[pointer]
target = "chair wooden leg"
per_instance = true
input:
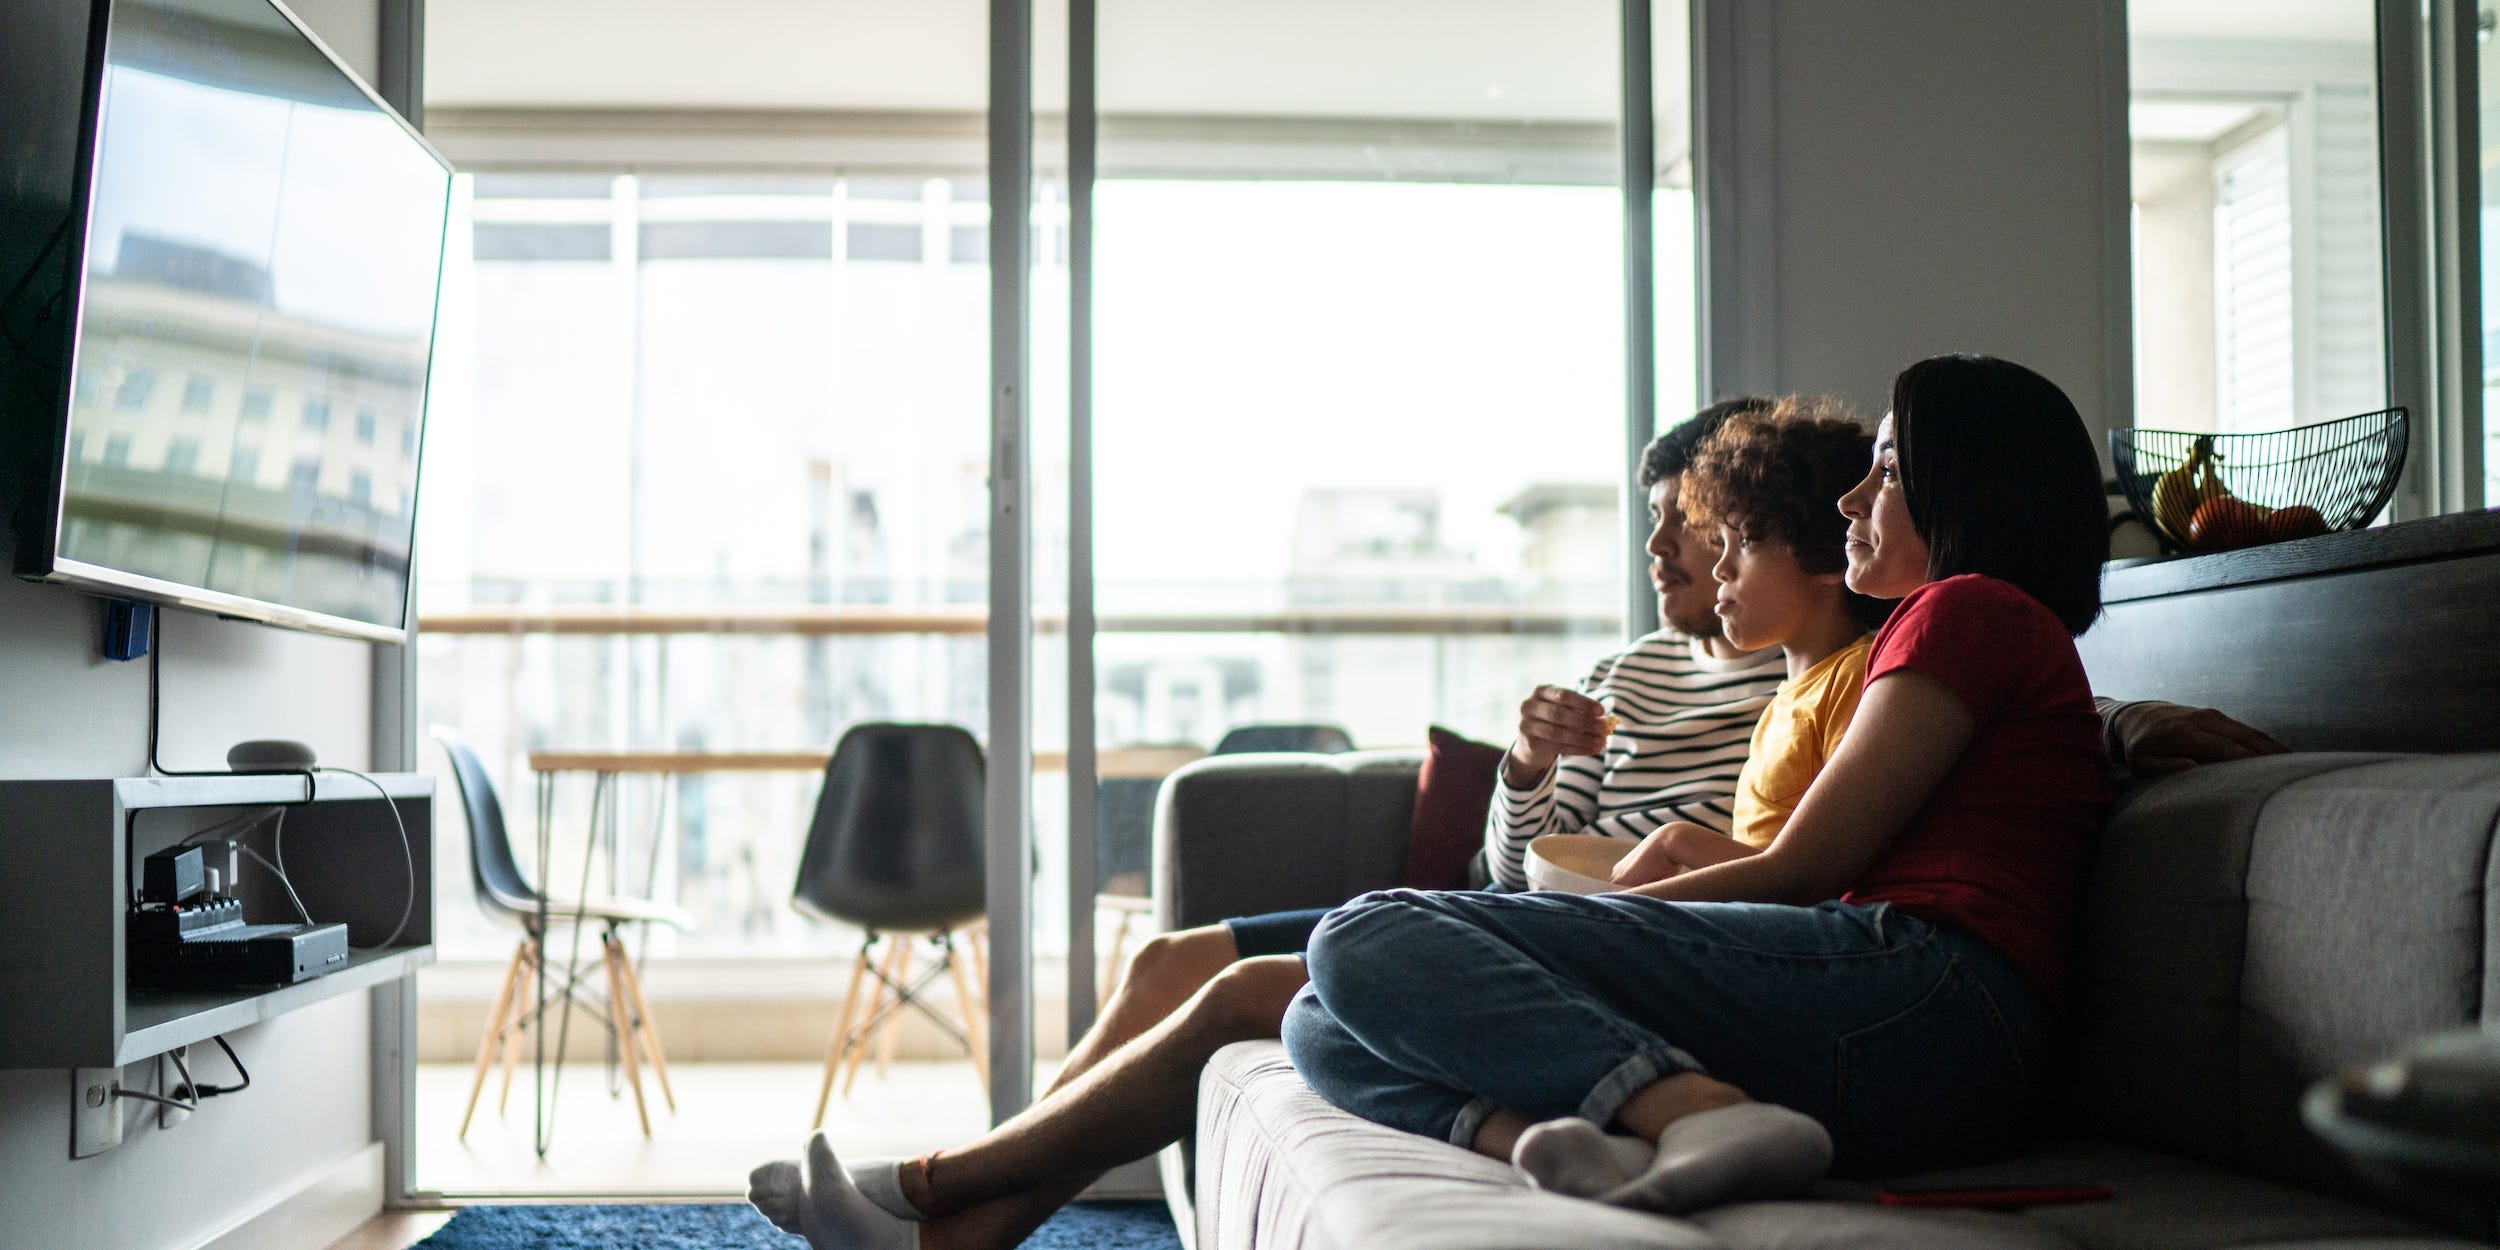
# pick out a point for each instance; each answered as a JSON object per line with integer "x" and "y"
{"x": 977, "y": 937}
{"x": 976, "y": 1032}
{"x": 494, "y": 1034}
{"x": 624, "y": 1027}
{"x": 519, "y": 1030}
{"x": 841, "y": 1042}
{"x": 649, "y": 1028}
{"x": 894, "y": 1020}
{"x": 876, "y": 1003}
{"x": 1111, "y": 966}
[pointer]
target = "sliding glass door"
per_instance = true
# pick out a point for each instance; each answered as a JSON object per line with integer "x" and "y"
{"x": 1358, "y": 383}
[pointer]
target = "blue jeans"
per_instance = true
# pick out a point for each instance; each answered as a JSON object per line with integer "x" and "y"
{"x": 1916, "y": 1044}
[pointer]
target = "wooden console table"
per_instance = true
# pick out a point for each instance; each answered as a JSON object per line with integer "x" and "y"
{"x": 2372, "y": 640}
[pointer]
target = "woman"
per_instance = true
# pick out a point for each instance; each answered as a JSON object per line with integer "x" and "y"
{"x": 1884, "y": 977}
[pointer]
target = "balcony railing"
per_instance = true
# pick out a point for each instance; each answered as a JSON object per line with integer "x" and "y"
{"x": 808, "y": 620}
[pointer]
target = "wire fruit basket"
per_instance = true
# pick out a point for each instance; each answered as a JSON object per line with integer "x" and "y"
{"x": 2219, "y": 492}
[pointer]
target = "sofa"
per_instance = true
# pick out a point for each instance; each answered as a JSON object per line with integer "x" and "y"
{"x": 2249, "y": 929}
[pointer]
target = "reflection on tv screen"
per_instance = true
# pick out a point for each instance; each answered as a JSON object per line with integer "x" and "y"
{"x": 262, "y": 255}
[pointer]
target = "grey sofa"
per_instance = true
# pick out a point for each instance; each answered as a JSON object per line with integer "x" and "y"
{"x": 2249, "y": 928}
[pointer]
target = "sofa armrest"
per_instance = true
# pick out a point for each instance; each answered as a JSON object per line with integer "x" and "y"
{"x": 1238, "y": 835}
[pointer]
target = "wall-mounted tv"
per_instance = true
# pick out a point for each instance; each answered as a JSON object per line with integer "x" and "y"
{"x": 251, "y": 260}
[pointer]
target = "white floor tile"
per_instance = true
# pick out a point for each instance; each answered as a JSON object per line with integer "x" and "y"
{"x": 730, "y": 1117}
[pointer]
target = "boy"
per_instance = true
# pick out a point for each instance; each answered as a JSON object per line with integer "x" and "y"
{"x": 1766, "y": 485}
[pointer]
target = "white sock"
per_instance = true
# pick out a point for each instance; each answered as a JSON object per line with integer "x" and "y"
{"x": 776, "y": 1191}
{"x": 1574, "y": 1156}
{"x": 882, "y": 1181}
{"x": 1743, "y": 1153}
{"x": 817, "y": 1200}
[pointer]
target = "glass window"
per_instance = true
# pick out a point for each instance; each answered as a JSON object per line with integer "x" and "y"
{"x": 197, "y": 391}
{"x": 366, "y": 424}
{"x": 257, "y": 400}
{"x": 117, "y": 451}
{"x": 243, "y": 465}
{"x": 870, "y": 240}
{"x": 750, "y": 420}
{"x": 1358, "y": 378}
{"x": 316, "y": 414}
{"x": 533, "y": 241}
{"x": 138, "y": 383}
{"x": 182, "y": 456}
{"x": 2258, "y": 263}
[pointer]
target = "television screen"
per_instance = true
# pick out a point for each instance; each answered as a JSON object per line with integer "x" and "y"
{"x": 262, "y": 251}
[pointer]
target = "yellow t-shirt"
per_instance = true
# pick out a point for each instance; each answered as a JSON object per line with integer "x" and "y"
{"x": 1795, "y": 737}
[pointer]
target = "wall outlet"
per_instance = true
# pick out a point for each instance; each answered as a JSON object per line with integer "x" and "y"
{"x": 95, "y": 1114}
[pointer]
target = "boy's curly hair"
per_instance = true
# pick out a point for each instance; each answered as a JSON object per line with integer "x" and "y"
{"x": 1779, "y": 476}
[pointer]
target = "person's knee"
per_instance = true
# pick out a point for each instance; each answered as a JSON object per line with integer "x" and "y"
{"x": 1172, "y": 966}
{"x": 1247, "y": 1000}
{"x": 1345, "y": 944}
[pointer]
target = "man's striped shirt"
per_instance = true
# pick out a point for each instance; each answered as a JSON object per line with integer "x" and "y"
{"x": 1686, "y": 721}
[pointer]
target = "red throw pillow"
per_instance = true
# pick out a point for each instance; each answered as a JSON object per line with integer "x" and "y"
{"x": 1451, "y": 797}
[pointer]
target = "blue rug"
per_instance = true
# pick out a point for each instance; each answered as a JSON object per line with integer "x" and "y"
{"x": 736, "y": 1226}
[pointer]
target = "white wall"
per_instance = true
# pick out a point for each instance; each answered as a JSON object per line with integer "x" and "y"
{"x": 1892, "y": 181}
{"x": 67, "y": 712}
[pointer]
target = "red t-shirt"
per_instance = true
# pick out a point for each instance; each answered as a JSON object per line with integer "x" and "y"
{"x": 2001, "y": 846}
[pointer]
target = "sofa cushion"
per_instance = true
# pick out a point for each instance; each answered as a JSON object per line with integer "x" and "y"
{"x": 2159, "y": 952}
{"x": 1279, "y": 832}
{"x": 2163, "y": 1202}
{"x": 2366, "y": 929}
{"x": 1452, "y": 795}
{"x": 1281, "y": 1169}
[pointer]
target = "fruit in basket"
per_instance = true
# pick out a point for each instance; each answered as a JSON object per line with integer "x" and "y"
{"x": 2297, "y": 521}
{"x": 2178, "y": 493}
{"x": 2227, "y": 521}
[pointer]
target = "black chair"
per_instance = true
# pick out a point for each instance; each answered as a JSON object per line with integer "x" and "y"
{"x": 1280, "y": 736}
{"x": 896, "y": 849}
{"x": 503, "y": 891}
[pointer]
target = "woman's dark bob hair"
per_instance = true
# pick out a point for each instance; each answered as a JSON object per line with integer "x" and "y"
{"x": 2001, "y": 479}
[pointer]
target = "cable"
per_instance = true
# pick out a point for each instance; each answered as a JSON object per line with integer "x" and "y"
{"x": 156, "y": 648}
{"x": 191, "y": 1085}
{"x": 176, "y": 1102}
{"x": 156, "y": 1098}
{"x": 240, "y": 826}
{"x": 263, "y": 861}
{"x": 212, "y": 1091}
{"x": 407, "y": 852}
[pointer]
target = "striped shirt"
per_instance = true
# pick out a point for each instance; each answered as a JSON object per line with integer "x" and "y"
{"x": 1687, "y": 720}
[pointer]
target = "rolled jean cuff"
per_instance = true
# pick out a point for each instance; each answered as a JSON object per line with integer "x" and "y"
{"x": 1470, "y": 1119}
{"x": 1630, "y": 1077}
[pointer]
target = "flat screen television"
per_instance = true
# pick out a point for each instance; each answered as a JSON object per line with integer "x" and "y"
{"x": 250, "y": 265}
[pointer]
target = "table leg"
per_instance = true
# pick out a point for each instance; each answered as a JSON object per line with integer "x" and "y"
{"x": 600, "y": 791}
{"x": 538, "y": 1033}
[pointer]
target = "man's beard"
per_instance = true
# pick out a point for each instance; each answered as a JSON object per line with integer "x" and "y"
{"x": 1701, "y": 627}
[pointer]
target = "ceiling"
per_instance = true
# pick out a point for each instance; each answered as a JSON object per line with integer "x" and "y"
{"x": 1495, "y": 60}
